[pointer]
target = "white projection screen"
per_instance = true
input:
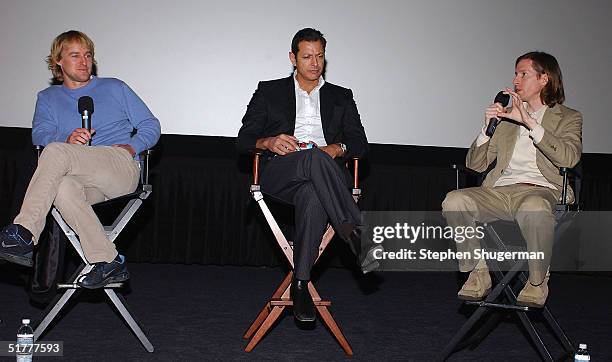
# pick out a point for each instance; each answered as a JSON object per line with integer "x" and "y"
{"x": 421, "y": 71}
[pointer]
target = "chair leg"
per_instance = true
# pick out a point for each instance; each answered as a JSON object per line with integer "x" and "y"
{"x": 501, "y": 286}
{"x": 122, "y": 308}
{"x": 333, "y": 327}
{"x": 57, "y": 304}
{"x": 40, "y": 329}
{"x": 552, "y": 321}
{"x": 524, "y": 318}
{"x": 492, "y": 321}
{"x": 265, "y": 326}
{"x": 535, "y": 337}
{"x": 329, "y": 321}
{"x": 465, "y": 328}
{"x": 261, "y": 317}
{"x": 265, "y": 311}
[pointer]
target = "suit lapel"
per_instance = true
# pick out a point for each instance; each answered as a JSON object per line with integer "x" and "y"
{"x": 326, "y": 99}
{"x": 288, "y": 102}
{"x": 551, "y": 118}
{"x": 550, "y": 122}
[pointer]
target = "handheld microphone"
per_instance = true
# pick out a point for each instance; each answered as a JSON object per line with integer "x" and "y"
{"x": 86, "y": 109}
{"x": 503, "y": 99}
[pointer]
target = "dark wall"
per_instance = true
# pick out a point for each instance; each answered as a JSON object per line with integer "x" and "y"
{"x": 201, "y": 210}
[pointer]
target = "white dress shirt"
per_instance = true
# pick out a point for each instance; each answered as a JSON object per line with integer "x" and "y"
{"x": 308, "y": 126}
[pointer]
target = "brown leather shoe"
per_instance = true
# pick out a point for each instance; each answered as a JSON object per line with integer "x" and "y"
{"x": 534, "y": 295}
{"x": 477, "y": 286}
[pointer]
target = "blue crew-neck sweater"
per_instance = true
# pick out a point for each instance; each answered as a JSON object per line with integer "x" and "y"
{"x": 117, "y": 111}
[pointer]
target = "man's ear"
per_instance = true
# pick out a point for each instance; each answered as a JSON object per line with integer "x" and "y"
{"x": 292, "y": 58}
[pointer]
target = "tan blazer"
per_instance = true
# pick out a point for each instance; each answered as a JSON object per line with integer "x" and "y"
{"x": 561, "y": 146}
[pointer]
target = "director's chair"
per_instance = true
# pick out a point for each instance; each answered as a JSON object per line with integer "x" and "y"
{"x": 503, "y": 296}
{"x": 281, "y": 299}
{"x": 134, "y": 201}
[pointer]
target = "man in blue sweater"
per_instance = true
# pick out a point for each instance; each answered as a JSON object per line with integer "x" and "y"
{"x": 73, "y": 176}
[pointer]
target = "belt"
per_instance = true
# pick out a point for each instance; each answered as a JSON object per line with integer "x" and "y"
{"x": 529, "y": 184}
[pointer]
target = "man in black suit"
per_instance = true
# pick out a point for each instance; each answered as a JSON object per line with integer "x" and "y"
{"x": 305, "y": 113}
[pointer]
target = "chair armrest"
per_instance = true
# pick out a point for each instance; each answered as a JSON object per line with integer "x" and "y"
{"x": 38, "y": 149}
{"x": 467, "y": 171}
{"x": 145, "y": 164}
{"x": 461, "y": 168}
{"x": 256, "y": 157}
{"x": 355, "y": 172}
{"x": 570, "y": 171}
{"x": 577, "y": 174}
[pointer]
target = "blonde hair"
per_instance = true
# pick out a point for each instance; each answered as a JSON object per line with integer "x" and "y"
{"x": 56, "y": 50}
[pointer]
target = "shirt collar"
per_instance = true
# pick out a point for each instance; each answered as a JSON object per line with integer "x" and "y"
{"x": 298, "y": 88}
{"x": 537, "y": 115}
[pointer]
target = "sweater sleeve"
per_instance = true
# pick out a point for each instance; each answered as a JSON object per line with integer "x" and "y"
{"x": 45, "y": 128}
{"x": 148, "y": 128}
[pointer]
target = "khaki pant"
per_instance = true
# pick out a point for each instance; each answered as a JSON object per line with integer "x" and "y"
{"x": 531, "y": 206}
{"x": 73, "y": 177}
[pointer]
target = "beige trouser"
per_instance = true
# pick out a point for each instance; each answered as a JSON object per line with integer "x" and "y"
{"x": 73, "y": 177}
{"x": 531, "y": 206}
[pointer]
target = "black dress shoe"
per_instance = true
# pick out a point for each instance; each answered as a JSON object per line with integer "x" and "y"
{"x": 365, "y": 259}
{"x": 105, "y": 273}
{"x": 368, "y": 262}
{"x": 303, "y": 307}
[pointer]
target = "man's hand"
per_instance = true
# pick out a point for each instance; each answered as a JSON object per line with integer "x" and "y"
{"x": 334, "y": 150}
{"x": 492, "y": 111}
{"x": 80, "y": 136}
{"x": 518, "y": 112}
{"x": 129, "y": 148}
{"x": 281, "y": 144}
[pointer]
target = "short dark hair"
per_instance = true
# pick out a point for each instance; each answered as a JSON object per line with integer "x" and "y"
{"x": 544, "y": 63}
{"x": 307, "y": 34}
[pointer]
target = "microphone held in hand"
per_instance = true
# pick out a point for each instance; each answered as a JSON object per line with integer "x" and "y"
{"x": 86, "y": 109}
{"x": 503, "y": 99}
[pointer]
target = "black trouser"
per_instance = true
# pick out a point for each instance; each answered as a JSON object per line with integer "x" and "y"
{"x": 317, "y": 186}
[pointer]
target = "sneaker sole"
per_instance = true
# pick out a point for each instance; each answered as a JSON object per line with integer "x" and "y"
{"x": 473, "y": 298}
{"x": 114, "y": 279}
{"x": 530, "y": 304}
{"x": 18, "y": 259}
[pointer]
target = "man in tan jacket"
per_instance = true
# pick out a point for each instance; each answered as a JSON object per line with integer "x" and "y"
{"x": 537, "y": 136}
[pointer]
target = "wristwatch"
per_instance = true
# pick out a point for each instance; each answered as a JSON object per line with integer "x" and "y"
{"x": 343, "y": 147}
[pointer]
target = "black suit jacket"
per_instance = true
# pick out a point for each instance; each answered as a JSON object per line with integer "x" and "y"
{"x": 271, "y": 112}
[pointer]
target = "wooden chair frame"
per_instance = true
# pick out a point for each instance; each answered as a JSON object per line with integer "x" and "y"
{"x": 281, "y": 298}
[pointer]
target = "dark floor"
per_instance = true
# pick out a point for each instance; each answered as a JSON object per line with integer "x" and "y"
{"x": 201, "y": 312}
